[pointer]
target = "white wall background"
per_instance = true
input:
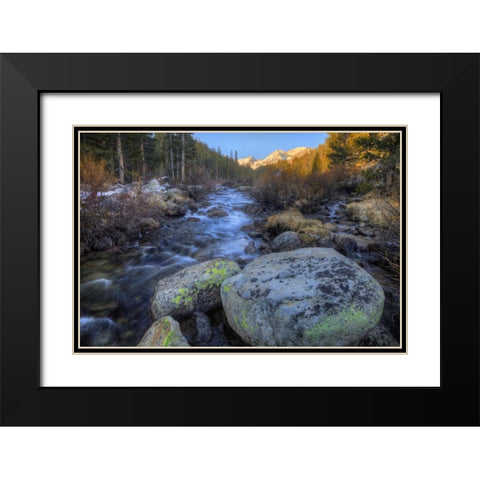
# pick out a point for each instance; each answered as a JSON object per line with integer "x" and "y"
{"x": 215, "y": 26}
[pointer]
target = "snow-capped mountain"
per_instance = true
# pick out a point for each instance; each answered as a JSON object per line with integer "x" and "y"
{"x": 247, "y": 161}
{"x": 274, "y": 157}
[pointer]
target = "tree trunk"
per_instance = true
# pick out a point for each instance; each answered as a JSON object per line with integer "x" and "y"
{"x": 121, "y": 163}
{"x": 183, "y": 158}
{"x": 177, "y": 163}
{"x": 144, "y": 166}
{"x": 171, "y": 158}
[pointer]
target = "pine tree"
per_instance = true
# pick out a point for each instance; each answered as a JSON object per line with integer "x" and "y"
{"x": 339, "y": 150}
{"x": 382, "y": 151}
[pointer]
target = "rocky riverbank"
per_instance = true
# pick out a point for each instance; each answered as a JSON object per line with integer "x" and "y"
{"x": 276, "y": 278}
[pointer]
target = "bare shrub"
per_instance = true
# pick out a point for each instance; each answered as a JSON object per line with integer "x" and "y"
{"x": 288, "y": 187}
{"x": 389, "y": 252}
{"x": 112, "y": 221}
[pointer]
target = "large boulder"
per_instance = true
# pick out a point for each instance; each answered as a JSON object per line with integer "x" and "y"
{"x": 306, "y": 297}
{"x": 376, "y": 211}
{"x": 195, "y": 288}
{"x": 165, "y": 332}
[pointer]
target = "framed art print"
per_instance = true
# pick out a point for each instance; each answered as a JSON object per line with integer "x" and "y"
{"x": 334, "y": 205}
{"x": 239, "y": 241}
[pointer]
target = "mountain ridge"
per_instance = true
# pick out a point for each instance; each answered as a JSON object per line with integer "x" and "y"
{"x": 276, "y": 156}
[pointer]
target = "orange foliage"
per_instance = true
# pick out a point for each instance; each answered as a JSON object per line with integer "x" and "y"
{"x": 94, "y": 174}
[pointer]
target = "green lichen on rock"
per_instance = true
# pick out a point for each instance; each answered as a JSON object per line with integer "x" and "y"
{"x": 165, "y": 332}
{"x": 195, "y": 288}
{"x": 349, "y": 323}
{"x": 184, "y": 297}
{"x": 216, "y": 275}
{"x": 245, "y": 325}
{"x": 168, "y": 339}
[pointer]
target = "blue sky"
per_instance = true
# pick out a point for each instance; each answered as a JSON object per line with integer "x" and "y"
{"x": 259, "y": 144}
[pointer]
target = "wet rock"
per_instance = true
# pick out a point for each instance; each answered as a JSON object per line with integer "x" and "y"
{"x": 267, "y": 236}
{"x": 251, "y": 230}
{"x": 97, "y": 332}
{"x": 250, "y": 249}
{"x": 195, "y": 288}
{"x": 247, "y": 228}
{"x": 348, "y": 243}
{"x": 216, "y": 212}
{"x": 165, "y": 332}
{"x": 345, "y": 243}
{"x": 204, "y": 330}
{"x": 365, "y": 231}
{"x": 306, "y": 297}
{"x": 286, "y": 241}
{"x": 252, "y": 209}
{"x": 265, "y": 248}
{"x": 192, "y": 219}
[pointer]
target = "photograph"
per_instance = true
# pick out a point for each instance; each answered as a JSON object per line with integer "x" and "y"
{"x": 233, "y": 239}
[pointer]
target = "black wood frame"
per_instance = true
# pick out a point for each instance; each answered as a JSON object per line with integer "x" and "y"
{"x": 23, "y": 77}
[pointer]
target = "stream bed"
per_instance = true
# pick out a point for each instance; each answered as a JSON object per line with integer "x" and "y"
{"x": 116, "y": 286}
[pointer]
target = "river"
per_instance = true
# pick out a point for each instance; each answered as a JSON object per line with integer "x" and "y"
{"x": 116, "y": 286}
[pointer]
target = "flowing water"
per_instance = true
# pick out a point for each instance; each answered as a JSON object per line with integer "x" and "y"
{"x": 116, "y": 287}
